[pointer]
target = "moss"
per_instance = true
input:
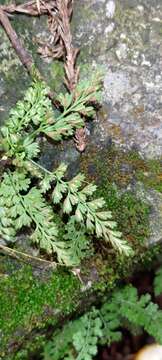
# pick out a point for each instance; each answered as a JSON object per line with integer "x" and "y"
{"x": 152, "y": 175}
{"x": 117, "y": 269}
{"x": 30, "y": 350}
{"x": 113, "y": 179}
{"x": 27, "y": 302}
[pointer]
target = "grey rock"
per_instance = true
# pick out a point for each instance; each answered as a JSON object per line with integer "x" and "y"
{"x": 154, "y": 199}
{"x": 110, "y": 9}
{"x": 130, "y": 52}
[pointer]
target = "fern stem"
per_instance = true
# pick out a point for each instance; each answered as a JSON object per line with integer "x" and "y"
{"x": 41, "y": 167}
{"x": 87, "y": 335}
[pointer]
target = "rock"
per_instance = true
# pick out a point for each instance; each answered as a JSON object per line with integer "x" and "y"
{"x": 154, "y": 199}
{"x": 131, "y": 57}
{"x": 121, "y": 51}
{"x": 110, "y": 9}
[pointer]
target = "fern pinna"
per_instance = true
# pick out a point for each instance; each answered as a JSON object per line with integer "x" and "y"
{"x": 26, "y": 185}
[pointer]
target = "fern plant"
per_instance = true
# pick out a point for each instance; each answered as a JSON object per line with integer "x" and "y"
{"x": 78, "y": 339}
{"x": 26, "y": 185}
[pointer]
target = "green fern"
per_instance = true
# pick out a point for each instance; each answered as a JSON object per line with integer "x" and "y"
{"x": 24, "y": 205}
{"x": 76, "y": 244}
{"x": 33, "y": 110}
{"x": 60, "y": 346}
{"x": 13, "y": 214}
{"x": 78, "y": 340}
{"x": 26, "y": 210}
{"x": 86, "y": 338}
{"x": 77, "y": 198}
{"x": 36, "y": 110}
{"x": 78, "y": 337}
{"x": 140, "y": 312}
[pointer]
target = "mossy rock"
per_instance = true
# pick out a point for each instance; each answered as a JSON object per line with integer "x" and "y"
{"x": 42, "y": 300}
{"x": 34, "y": 301}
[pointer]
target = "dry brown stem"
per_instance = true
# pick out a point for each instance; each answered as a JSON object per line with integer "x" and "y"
{"x": 23, "y": 55}
{"x": 65, "y": 8}
{"x": 30, "y": 8}
{"x": 62, "y": 18}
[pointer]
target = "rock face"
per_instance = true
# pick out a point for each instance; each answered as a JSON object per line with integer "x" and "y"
{"x": 124, "y": 38}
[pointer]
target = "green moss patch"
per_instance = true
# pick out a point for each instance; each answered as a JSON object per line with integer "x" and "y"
{"x": 152, "y": 174}
{"x": 114, "y": 175}
{"x": 26, "y": 302}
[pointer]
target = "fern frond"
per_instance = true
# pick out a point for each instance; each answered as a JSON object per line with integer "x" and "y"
{"x": 111, "y": 323}
{"x": 32, "y": 109}
{"x": 26, "y": 210}
{"x": 76, "y": 244}
{"x": 58, "y": 348}
{"x": 138, "y": 311}
{"x": 25, "y": 204}
{"x": 45, "y": 233}
{"x": 77, "y": 337}
{"x": 85, "y": 340}
{"x": 103, "y": 326}
{"x": 12, "y": 210}
{"x": 75, "y": 197}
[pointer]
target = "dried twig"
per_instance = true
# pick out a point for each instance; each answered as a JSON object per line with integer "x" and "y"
{"x": 71, "y": 70}
{"x": 23, "y": 55}
{"x": 30, "y": 8}
{"x": 21, "y": 256}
